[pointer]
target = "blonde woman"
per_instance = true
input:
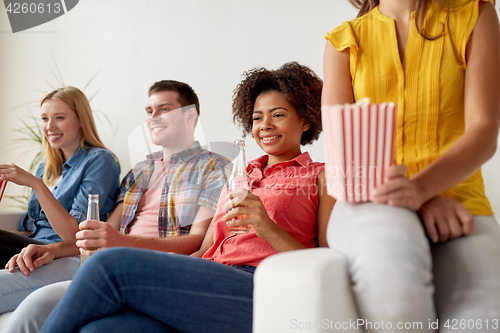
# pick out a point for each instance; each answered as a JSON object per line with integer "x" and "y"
{"x": 76, "y": 164}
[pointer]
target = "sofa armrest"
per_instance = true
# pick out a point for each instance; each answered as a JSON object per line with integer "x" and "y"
{"x": 3, "y": 319}
{"x": 306, "y": 289}
{"x": 9, "y": 221}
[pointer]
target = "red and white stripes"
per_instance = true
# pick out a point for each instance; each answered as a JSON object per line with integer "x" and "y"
{"x": 359, "y": 143}
{"x": 3, "y": 185}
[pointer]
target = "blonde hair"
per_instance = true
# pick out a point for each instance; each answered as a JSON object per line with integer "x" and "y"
{"x": 76, "y": 100}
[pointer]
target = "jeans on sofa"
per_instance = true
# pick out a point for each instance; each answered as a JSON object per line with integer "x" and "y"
{"x": 180, "y": 292}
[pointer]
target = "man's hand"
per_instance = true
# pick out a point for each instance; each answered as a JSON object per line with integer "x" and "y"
{"x": 98, "y": 235}
{"x": 445, "y": 219}
{"x": 31, "y": 257}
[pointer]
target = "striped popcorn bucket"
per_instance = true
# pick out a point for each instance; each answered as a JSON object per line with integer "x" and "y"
{"x": 3, "y": 185}
{"x": 359, "y": 141}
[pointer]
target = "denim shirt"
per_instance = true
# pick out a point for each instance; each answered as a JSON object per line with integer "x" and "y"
{"x": 87, "y": 171}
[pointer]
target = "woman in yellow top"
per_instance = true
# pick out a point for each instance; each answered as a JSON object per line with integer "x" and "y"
{"x": 439, "y": 61}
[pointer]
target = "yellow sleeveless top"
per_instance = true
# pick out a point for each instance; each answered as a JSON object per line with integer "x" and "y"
{"x": 427, "y": 86}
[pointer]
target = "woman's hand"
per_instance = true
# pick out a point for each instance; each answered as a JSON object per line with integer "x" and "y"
{"x": 31, "y": 257}
{"x": 446, "y": 219}
{"x": 246, "y": 208}
{"x": 398, "y": 190}
{"x": 15, "y": 174}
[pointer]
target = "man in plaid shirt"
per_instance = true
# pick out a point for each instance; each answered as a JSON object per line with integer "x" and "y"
{"x": 174, "y": 192}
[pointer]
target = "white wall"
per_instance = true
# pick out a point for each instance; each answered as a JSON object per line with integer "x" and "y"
{"x": 132, "y": 44}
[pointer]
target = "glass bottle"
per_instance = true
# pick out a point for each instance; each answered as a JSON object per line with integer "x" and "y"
{"x": 239, "y": 179}
{"x": 92, "y": 214}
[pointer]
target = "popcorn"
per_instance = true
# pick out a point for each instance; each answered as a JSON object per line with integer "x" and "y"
{"x": 359, "y": 140}
{"x": 3, "y": 185}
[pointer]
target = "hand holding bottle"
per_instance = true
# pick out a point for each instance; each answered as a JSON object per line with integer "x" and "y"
{"x": 92, "y": 214}
{"x": 245, "y": 209}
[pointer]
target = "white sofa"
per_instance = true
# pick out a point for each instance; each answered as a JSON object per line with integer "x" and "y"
{"x": 306, "y": 290}
{"x": 303, "y": 276}
{"x": 8, "y": 222}
{"x": 3, "y": 319}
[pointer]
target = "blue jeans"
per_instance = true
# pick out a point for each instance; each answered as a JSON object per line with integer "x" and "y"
{"x": 133, "y": 288}
{"x": 15, "y": 287}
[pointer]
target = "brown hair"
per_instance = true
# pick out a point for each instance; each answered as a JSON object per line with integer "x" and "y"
{"x": 300, "y": 85}
{"x": 186, "y": 97}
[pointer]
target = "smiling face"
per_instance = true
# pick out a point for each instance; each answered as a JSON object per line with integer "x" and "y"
{"x": 166, "y": 121}
{"x": 60, "y": 126}
{"x": 277, "y": 128}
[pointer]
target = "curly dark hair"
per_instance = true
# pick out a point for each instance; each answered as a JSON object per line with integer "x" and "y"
{"x": 300, "y": 85}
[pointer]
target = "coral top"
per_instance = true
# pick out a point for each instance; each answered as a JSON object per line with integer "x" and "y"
{"x": 427, "y": 86}
{"x": 288, "y": 192}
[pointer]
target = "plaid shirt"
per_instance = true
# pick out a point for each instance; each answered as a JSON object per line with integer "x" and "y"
{"x": 194, "y": 177}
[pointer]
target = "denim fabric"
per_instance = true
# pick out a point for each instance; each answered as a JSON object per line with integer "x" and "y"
{"x": 245, "y": 268}
{"x": 32, "y": 313}
{"x": 184, "y": 293}
{"x": 15, "y": 287}
{"x": 127, "y": 321}
{"x": 87, "y": 171}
